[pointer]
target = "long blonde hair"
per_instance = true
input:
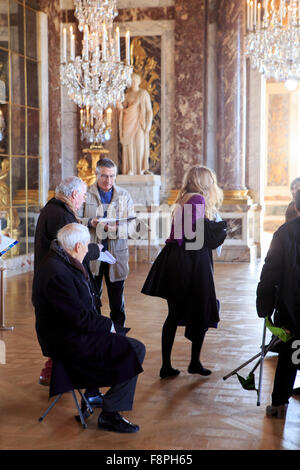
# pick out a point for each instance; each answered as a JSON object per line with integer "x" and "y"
{"x": 201, "y": 180}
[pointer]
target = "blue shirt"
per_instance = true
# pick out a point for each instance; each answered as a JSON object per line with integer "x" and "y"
{"x": 106, "y": 197}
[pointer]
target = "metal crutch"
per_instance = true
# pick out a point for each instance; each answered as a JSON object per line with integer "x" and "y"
{"x": 273, "y": 342}
{"x": 263, "y": 353}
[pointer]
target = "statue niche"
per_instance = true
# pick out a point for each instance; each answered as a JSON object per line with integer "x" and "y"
{"x": 135, "y": 121}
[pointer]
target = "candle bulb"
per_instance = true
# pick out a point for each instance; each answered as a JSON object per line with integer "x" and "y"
{"x": 71, "y": 34}
{"x": 258, "y": 17}
{"x": 254, "y": 12}
{"x": 266, "y": 12}
{"x": 251, "y": 15}
{"x": 127, "y": 48}
{"x": 118, "y": 42}
{"x": 104, "y": 42}
{"x": 73, "y": 47}
{"x": 108, "y": 117}
{"x": 86, "y": 42}
{"x": 64, "y": 57}
{"x": 248, "y": 14}
{"x": 72, "y": 44}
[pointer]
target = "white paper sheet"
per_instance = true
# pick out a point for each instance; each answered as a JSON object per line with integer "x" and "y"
{"x": 219, "y": 219}
{"x": 6, "y": 244}
{"x": 107, "y": 257}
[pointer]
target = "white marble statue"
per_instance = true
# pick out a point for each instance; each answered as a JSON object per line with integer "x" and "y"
{"x": 135, "y": 121}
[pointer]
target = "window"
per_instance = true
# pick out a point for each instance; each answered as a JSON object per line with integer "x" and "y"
{"x": 20, "y": 156}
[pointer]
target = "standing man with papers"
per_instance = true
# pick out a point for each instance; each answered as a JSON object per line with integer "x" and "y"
{"x": 106, "y": 203}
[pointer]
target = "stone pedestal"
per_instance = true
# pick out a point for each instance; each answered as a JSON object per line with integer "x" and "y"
{"x": 144, "y": 189}
{"x": 240, "y": 215}
{"x": 145, "y": 192}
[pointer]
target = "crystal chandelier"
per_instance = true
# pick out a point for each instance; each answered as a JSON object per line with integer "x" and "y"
{"x": 97, "y": 79}
{"x": 273, "y": 38}
{"x": 95, "y": 127}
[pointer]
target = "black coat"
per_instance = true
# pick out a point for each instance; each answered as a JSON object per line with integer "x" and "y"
{"x": 185, "y": 278}
{"x": 55, "y": 215}
{"x": 279, "y": 284}
{"x": 69, "y": 327}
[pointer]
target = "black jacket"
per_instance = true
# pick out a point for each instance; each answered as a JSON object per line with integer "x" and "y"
{"x": 279, "y": 284}
{"x": 69, "y": 327}
{"x": 185, "y": 279}
{"x": 55, "y": 215}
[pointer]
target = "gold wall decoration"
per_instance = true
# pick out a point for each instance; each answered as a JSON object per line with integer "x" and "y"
{"x": 8, "y": 215}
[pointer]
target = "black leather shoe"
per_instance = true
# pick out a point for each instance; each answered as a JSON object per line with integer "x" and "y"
{"x": 198, "y": 369}
{"x": 168, "y": 372}
{"x": 116, "y": 423}
{"x": 95, "y": 401}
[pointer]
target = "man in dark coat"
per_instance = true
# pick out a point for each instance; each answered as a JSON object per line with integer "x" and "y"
{"x": 70, "y": 329}
{"x": 279, "y": 287}
{"x": 58, "y": 212}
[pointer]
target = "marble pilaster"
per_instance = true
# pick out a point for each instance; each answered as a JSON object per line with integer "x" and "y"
{"x": 231, "y": 94}
{"x": 190, "y": 77}
{"x": 238, "y": 208}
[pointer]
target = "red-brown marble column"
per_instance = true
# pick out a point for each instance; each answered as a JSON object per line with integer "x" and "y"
{"x": 52, "y": 9}
{"x": 231, "y": 94}
{"x": 190, "y": 54}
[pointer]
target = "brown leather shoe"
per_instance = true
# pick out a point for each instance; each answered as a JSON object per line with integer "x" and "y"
{"x": 45, "y": 374}
{"x": 44, "y": 381}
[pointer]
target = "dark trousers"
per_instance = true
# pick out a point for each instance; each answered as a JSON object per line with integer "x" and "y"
{"x": 120, "y": 397}
{"x": 285, "y": 375}
{"x": 115, "y": 292}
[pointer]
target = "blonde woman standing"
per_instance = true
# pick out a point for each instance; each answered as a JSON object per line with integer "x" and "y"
{"x": 183, "y": 271}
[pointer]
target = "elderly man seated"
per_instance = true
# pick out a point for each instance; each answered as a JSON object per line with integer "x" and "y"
{"x": 70, "y": 328}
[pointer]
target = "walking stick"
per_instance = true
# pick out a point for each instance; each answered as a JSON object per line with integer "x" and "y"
{"x": 263, "y": 353}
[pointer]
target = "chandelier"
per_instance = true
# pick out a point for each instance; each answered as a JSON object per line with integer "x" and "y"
{"x": 95, "y": 127}
{"x": 273, "y": 38}
{"x": 97, "y": 79}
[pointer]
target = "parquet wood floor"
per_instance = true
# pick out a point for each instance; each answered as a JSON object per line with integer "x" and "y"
{"x": 187, "y": 412}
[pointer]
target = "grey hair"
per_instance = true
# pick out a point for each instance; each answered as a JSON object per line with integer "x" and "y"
{"x": 107, "y": 163}
{"x": 295, "y": 181}
{"x": 71, "y": 234}
{"x": 68, "y": 185}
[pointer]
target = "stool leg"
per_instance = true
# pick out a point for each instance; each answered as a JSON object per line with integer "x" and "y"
{"x": 50, "y": 407}
{"x": 84, "y": 425}
{"x": 89, "y": 407}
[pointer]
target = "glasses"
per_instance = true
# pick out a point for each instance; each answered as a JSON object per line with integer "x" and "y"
{"x": 107, "y": 177}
